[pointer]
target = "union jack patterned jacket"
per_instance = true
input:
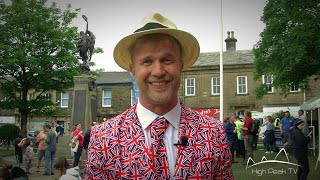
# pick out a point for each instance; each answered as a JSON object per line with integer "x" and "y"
{"x": 117, "y": 149}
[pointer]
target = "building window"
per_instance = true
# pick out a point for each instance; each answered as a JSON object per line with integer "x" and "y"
{"x": 294, "y": 88}
{"x": 190, "y": 86}
{"x": 106, "y": 98}
{"x": 268, "y": 80}
{"x": 215, "y": 83}
{"x": 47, "y": 96}
{"x": 30, "y": 96}
{"x": 241, "y": 113}
{"x": 242, "y": 85}
{"x": 64, "y": 99}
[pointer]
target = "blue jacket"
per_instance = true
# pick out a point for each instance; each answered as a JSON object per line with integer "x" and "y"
{"x": 231, "y": 136}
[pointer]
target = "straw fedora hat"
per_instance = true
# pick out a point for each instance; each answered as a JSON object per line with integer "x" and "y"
{"x": 155, "y": 23}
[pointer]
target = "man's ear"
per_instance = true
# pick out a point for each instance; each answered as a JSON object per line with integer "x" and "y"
{"x": 181, "y": 66}
{"x": 132, "y": 70}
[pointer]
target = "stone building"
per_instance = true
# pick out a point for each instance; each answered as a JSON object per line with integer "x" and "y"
{"x": 200, "y": 88}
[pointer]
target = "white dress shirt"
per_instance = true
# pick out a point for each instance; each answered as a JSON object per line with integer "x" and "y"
{"x": 146, "y": 117}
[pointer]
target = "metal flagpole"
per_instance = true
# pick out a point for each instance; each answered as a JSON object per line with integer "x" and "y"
{"x": 221, "y": 64}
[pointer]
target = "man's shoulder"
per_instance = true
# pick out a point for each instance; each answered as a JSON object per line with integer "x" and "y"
{"x": 116, "y": 121}
{"x": 202, "y": 120}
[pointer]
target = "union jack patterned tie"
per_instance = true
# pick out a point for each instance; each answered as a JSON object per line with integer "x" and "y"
{"x": 158, "y": 148}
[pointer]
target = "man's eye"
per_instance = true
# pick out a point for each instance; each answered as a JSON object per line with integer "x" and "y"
{"x": 147, "y": 62}
{"x": 168, "y": 61}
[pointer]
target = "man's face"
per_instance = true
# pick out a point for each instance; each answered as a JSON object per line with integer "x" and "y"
{"x": 232, "y": 118}
{"x": 287, "y": 114}
{"x": 157, "y": 68}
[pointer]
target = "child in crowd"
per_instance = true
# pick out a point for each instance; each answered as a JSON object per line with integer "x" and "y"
{"x": 63, "y": 171}
{"x": 29, "y": 155}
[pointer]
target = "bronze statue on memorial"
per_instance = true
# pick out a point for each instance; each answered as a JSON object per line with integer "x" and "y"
{"x": 85, "y": 46}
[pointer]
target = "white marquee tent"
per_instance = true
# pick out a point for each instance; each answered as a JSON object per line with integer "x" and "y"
{"x": 314, "y": 105}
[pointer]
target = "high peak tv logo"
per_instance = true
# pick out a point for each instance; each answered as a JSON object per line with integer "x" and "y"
{"x": 288, "y": 168}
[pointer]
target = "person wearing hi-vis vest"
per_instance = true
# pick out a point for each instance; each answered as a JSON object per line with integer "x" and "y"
{"x": 158, "y": 137}
{"x": 240, "y": 151}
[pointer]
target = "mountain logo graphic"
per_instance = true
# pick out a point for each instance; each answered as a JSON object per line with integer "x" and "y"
{"x": 265, "y": 160}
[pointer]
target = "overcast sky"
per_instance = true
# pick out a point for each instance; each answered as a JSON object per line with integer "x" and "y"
{"x": 111, "y": 20}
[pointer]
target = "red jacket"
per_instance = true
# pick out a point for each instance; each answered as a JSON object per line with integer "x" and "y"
{"x": 247, "y": 123}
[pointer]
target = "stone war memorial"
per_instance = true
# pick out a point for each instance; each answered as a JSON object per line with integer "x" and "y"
{"x": 84, "y": 109}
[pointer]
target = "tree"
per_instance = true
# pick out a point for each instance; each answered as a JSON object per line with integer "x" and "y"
{"x": 289, "y": 46}
{"x": 36, "y": 46}
{"x": 8, "y": 132}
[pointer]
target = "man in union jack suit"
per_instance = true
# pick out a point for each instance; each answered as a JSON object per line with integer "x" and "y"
{"x": 158, "y": 137}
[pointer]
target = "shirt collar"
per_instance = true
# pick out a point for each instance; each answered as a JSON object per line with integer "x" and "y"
{"x": 146, "y": 116}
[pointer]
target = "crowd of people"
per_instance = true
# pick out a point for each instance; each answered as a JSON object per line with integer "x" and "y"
{"x": 295, "y": 137}
{"x": 46, "y": 148}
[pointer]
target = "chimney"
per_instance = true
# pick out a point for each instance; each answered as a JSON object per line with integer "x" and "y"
{"x": 230, "y": 41}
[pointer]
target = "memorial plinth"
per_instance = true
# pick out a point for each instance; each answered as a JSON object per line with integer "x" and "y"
{"x": 84, "y": 109}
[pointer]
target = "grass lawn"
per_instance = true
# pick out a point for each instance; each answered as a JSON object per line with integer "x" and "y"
{"x": 273, "y": 170}
{"x": 5, "y": 152}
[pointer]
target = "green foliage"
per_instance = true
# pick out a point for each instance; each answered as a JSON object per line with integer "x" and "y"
{"x": 289, "y": 47}
{"x": 36, "y": 45}
{"x": 9, "y": 132}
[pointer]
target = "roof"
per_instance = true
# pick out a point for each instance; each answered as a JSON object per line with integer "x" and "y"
{"x": 311, "y": 104}
{"x": 229, "y": 58}
{"x": 114, "y": 77}
{"x": 205, "y": 59}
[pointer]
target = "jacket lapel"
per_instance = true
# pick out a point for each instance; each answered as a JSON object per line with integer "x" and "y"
{"x": 185, "y": 155}
{"x": 136, "y": 151}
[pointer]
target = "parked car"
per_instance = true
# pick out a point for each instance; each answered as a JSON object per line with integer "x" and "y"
{"x": 32, "y": 135}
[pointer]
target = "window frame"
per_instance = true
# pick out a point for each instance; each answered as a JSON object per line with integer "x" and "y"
{"x": 62, "y": 99}
{"x": 268, "y": 83}
{"x": 293, "y": 86}
{"x": 193, "y": 87}
{"x": 213, "y": 86}
{"x": 246, "y": 85}
{"x": 103, "y": 98}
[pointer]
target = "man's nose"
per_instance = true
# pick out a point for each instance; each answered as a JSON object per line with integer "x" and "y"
{"x": 158, "y": 69}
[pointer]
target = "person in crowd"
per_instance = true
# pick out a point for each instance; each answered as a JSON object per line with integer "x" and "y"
{"x": 5, "y": 168}
{"x": 17, "y": 173}
{"x": 64, "y": 172}
{"x": 269, "y": 135}
{"x": 286, "y": 124}
{"x": 302, "y": 117}
{"x": 240, "y": 151}
{"x": 158, "y": 137}
{"x": 50, "y": 150}
{"x": 29, "y": 155}
{"x": 255, "y": 135}
{"x": 247, "y": 136}
{"x": 300, "y": 149}
{"x": 276, "y": 121}
{"x": 18, "y": 143}
{"x": 55, "y": 130}
{"x": 8, "y": 172}
{"x": 231, "y": 131}
{"x": 41, "y": 147}
{"x": 225, "y": 121}
{"x": 77, "y": 135}
{"x": 87, "y": 137}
